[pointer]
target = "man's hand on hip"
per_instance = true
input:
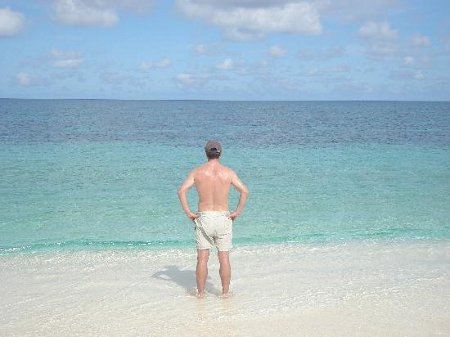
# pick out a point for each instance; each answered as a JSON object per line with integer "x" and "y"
{"x": 234, "y": 215}
{"x": 192, "y": 216}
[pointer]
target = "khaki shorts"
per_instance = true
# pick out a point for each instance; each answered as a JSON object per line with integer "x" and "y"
{"x": 214, "y": 229}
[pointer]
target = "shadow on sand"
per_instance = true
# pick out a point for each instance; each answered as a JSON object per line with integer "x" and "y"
{"x": 185, "y": 279}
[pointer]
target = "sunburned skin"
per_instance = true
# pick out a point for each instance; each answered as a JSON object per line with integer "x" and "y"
{"x": 212, "y": 181}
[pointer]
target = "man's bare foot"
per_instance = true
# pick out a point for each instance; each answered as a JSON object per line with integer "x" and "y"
{"x": 225, "y": 295}
{"x": 201, "y": 294}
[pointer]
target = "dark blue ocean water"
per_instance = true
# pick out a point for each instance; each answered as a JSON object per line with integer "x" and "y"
{"x": 93, "y": 174}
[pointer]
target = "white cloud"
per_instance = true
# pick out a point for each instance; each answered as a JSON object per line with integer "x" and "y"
{"x": 69, "y": 63}
{"x": 377, "y": 31}
{"x": 102, "y": 13}
{"x": 346, "y": 10}
{"x": 117, "y": 78}
{"x": 200, "y": 49}
{"x": 321, "y": 54}
{"x": 419, "y": 62}
{"x": 208, "y": 49}
{"x": 408, "y": 60}
{"x": 185, "y": 79}
{"x": 407, "y": 75}
{"x": 11, "y": 22}
{"x": 277, "y": 51}
{"x": 225, "y": 65}
{"x": 163, "y": 63}
{"x": 254, "y": 19}
{"x": 138, "y": 6}
{"x": 354, "y": 10}
{"x": 24, "y": 79}
{"x": 382, "y": 49}
{"x": 85, "y": 13}
{"x": 66, "y": 59}
{"x": 381, "y": 38}
{"x": 419, "y": 40}
{"x": 189, "y": 80}
{"x": 114, "y": 77}
{"x": 418, "y": 75}
{"x": 339, "y": 69}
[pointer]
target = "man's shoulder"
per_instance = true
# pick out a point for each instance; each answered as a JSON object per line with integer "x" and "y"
{"x": 194, "y": 171}
{"x": 227, "y": 170}
{"x": 198, "y": 169}
{"x": 205, "y": 167}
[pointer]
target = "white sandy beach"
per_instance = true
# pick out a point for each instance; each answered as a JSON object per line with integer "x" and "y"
{"x": 356, "y": 289}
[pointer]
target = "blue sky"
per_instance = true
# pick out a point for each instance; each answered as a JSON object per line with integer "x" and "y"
{"x": 225, "y": 49}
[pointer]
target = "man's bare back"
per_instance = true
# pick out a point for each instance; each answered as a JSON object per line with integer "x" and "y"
{"x": 212, "y": 181}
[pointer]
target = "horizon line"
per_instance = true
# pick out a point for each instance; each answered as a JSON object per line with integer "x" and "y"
{"x": 227, "y": 100}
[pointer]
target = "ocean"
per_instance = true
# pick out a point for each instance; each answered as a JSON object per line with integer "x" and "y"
{"x": 346, "y": 231}
{"x": 82, "y": 175}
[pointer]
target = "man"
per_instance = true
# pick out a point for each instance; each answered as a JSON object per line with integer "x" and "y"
{"x": 213, "y": 221}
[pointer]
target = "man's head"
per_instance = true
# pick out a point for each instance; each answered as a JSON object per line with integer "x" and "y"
{"x": 213, "y": 149}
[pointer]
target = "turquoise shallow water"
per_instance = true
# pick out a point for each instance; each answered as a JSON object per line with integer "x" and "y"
{"x": 101, "y": 174}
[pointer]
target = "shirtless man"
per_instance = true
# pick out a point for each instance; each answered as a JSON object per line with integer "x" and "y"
{"x": 213, "y": 221}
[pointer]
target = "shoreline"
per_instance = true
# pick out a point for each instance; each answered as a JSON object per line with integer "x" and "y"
{"x": 352, "y": 289}
{"x": 149, "y": 246}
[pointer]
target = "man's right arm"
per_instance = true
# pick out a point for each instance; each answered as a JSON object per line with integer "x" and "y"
{"x": 185, "y": 186}
{"x": 242, "y": 189}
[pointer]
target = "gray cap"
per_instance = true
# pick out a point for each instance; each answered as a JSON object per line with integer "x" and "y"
{"x": 213, "y": 146}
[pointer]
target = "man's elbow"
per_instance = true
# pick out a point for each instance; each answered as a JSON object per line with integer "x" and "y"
{"x": 180, "y": 192}
{"x": 244, "y": 191}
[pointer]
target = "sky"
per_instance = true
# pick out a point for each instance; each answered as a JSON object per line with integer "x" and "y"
{"x": 225, "y": 49}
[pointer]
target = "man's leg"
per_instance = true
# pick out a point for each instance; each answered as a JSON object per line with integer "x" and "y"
{"x": 202, "y": 270}
{"x": 225, "y": 271}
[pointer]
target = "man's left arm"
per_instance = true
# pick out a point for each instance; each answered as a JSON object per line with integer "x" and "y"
{"x": 185, "y": 186}
{"x": 243, "y": 190}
